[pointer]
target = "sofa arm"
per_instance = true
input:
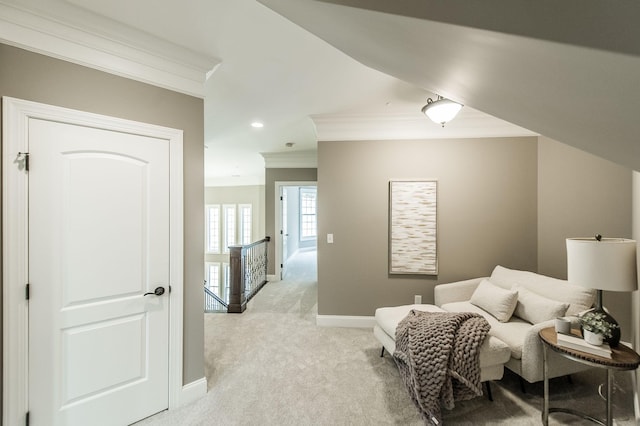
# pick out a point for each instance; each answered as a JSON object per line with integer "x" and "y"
{"x": 459, "y": 291}
{"x": 532, "y": 352}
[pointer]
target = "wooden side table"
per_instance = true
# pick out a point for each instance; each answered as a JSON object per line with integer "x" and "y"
{"x": 623, "y": 358}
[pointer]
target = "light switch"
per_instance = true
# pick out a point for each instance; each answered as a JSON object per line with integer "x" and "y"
{"x": 329, "y": 238}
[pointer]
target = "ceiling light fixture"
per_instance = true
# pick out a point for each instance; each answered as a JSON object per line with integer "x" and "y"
{"x": 257, "y": 125}
{"x": 441, "y": 110}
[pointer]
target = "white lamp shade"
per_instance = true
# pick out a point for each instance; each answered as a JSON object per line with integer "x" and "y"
{"x": 608, "y": 264}
{"x": 442, "y": 110}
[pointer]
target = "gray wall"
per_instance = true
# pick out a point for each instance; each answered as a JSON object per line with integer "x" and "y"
{"x": 273, "y": 175}
{"x": 580, "y": 195}
{"x": 487, "y": 215}
{"x": 35, "y": 77}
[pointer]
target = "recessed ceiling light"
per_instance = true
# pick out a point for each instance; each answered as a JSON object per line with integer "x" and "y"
{"x": 257, "y": 124}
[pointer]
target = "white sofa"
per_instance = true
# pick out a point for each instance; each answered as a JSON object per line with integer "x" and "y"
{"x": 539, "y": 300}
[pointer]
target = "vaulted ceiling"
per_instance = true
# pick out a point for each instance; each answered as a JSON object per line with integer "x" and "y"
{"x": 568, "y": 70}
{"x": 361, "y": 69}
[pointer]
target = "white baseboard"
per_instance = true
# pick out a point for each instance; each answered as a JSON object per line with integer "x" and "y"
{"x": 193, "y": 391}
{"x": 345, "y": 321}
{"x": 272, "y": 278}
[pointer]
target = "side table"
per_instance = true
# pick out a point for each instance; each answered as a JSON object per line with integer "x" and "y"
{"x": 623, "y": 358}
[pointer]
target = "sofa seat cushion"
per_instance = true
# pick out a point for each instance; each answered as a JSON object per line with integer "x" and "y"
{"x": 578, "y": 297}
{"x": 512, "y": 333}
{"x": 492, "y": 352}
{"x": 388, "y": 318}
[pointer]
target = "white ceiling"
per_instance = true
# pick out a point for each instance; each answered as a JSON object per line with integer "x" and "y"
{"x": 568, "y": 70}
{"x": 268, "y": 69}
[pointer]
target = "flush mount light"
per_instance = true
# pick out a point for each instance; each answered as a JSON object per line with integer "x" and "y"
{"x": 441, "y": 110}
{"x": 257, "y": 125}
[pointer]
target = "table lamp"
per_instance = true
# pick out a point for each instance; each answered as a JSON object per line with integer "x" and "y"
{"x": 603, "y": 264}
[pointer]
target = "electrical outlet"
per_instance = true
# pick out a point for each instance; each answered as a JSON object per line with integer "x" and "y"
{"x": 417, "y": 299}
{"x": 329, "y": 238}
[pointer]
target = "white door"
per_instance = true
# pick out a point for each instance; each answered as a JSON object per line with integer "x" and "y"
{"x": 284, "y": 231}
{"x": 98, "y": 241}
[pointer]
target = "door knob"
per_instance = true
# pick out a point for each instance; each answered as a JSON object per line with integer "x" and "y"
{"x": 159, "y": 291}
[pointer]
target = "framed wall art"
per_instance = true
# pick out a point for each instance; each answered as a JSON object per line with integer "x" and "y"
{"x": 413, "y": 227}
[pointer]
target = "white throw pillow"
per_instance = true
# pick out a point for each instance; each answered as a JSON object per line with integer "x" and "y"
{"x": 496, "y": 300}
{"x": 579, "y": 298}
{"x": 535, "y": 308}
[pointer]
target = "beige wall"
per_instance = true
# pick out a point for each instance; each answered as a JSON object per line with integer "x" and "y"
{"x": 271, "y": 177}
{"x": 487, "y": 215}
{"x": 580, "y": 195}
{"x": 510, "y": 201}
{"x": 42, "y": 79}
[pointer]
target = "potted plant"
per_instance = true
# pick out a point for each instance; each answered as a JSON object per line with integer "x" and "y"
{"x": 595, "y": 327}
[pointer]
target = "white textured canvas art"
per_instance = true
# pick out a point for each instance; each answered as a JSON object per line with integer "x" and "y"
{"x": 413, "y": 227}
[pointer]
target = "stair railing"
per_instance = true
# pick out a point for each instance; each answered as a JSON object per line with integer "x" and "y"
{"x": 212, "y": 302}
{"x": 248, "y": 273}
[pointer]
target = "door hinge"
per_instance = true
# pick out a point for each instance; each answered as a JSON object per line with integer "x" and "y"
{"x": 281, "y": 199}
{"x": 281, "y": 266}
{"x": 26, "y": 419}
{"x": 26, "y": 292}
{"x": 24, "y": 156}
{"x": 281, "y": 233}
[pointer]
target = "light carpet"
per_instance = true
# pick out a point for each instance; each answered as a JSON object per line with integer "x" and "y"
{"x": 272, "y": 365}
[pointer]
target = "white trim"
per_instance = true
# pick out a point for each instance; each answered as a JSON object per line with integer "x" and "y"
{"x": 193, "y": 391}
{"x": 345, "y": 321}
{"x": 272, "y": 278}
{"x": 14, "y": 272}
{"x": 377, "y": 126}
{"x": 290, "y": 160}
{"x": 278, "y": 220}
{"x": 176, "y": 224}
{"x": 16, "y": 114}
{"x": 159, "y": 63}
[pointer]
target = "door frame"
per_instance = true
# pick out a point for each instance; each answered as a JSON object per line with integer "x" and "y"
{"x": 16, "y": 114}
{"x": 279, "y": 185}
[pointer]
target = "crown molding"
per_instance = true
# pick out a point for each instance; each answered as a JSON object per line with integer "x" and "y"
{"x": 469, "y": 123}
{"x": 168, "y": 66}
{"x": 290, "y": 160}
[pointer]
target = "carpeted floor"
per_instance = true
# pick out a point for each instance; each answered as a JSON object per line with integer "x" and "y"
{"x": 272, "y": 365}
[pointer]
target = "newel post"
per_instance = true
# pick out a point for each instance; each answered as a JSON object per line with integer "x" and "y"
{"x": 237, "y": 298}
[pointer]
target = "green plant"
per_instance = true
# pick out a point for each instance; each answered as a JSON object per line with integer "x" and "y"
{"x": 596, "y": 322}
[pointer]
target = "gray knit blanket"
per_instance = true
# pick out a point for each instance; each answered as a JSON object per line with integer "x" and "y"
{"x": 438, "y": 355}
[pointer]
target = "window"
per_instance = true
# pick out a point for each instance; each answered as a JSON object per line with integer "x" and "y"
{"x": 212, "y": 226}
{"x": 227, "y": 274}
{"x": 307, "y": 213}
{"x": 229, "y": 211}
{"x": 224, "y": 228}
{"x": 212, "y": 275}
{"x": 245, "y": 223}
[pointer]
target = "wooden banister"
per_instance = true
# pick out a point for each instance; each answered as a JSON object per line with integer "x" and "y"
{"x": 248, "y": 269}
